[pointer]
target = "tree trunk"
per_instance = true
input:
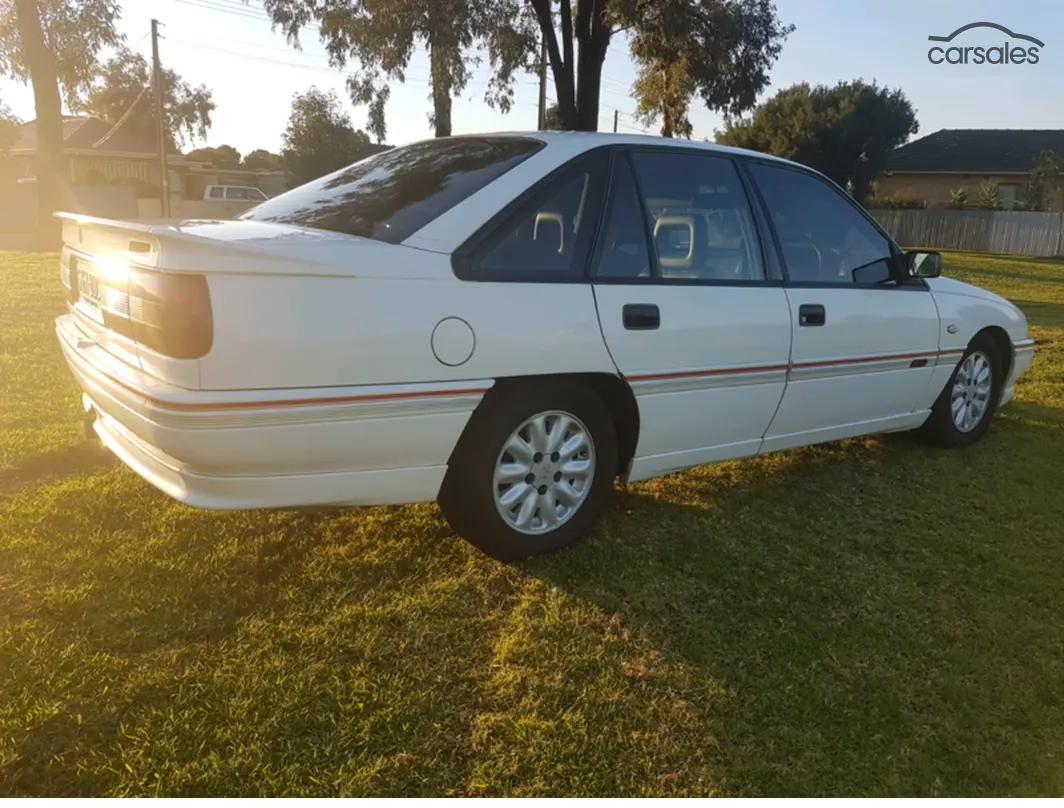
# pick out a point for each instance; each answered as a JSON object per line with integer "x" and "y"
{"x": 442, "y": 102}
{"x": 589, "y": 80}
{"x": 668, "y": 125}
{"x": 50, "y": 166}
{"x": 441, "y": 92}
{"x": 560, "y": 68}
{"x": 593, "y": 37}
{"x": 441, "y": 48}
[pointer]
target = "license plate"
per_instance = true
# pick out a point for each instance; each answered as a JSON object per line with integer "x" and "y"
{"x": 89, "y": 288}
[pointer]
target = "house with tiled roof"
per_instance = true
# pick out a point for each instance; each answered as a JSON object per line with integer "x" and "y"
{"x": 933, "y": 166}
{"x": 97, "y": 153}
{"x": 94, "y": 148}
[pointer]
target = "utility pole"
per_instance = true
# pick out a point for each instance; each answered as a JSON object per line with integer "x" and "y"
{"x": 157, "y": 82}
{"x": 542, "y": 83}
{"x": 616, "y": 112}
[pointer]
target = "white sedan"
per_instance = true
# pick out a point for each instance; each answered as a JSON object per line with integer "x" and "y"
{"x": 505, "y": 323}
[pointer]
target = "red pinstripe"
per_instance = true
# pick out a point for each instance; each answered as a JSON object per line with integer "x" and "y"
{"x": 860, "y": 360}
{"x": 213, "y": 406}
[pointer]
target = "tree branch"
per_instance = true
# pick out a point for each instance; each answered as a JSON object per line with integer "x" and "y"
{"x": 637, "y": 13}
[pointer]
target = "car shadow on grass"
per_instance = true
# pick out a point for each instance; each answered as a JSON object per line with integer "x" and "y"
{"x": 76, "y": 459}
{"x": 884, "y": 617}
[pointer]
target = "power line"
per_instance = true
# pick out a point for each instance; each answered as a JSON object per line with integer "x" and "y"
{"x": 237, "y": 11}
{"x": 247, "y": 44}
{"x": 621, "y": 85}
{"x": 332, "y": 71}
{"x": 123, "y": 119}
{"x": 235, "y": 5}
{"x": 229, "y": 52}
{"x": 481, "y": 75}
{"x": 240, "y": 10}
{"x": 478, "y": 73}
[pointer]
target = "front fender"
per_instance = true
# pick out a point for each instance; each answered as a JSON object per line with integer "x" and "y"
{"x": 964, "y": 310}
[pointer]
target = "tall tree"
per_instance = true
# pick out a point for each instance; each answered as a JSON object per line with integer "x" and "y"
{"x": 726, "y": 47}
{"x": 720, "y": 49}
{"x": 125, "y": 80}
{"x": 54, "y": 45}
{"x": 846, "y": 131}
{"x": 1042, "y": 188}
{"x": 224, "y": 156}
{"x": 262, "y": 160}
{"x": 552, "y": 119}
{"x": 663, "y": 90}
{"x": 319, "y": 137}
{"x": 380, "y": 36}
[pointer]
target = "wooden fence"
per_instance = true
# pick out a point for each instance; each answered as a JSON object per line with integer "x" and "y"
{"x": 999, "y": 232}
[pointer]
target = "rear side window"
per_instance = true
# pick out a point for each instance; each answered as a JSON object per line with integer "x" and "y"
{"x": 549, "y": 236}
{"x": 699, "y": 216}
{"x": 395, "y": 193}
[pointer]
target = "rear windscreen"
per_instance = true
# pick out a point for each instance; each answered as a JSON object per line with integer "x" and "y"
{"x": 395, "y": 193}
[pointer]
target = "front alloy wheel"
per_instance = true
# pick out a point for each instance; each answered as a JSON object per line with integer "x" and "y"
{"x": 972, "y": 387}
{"x": 963, "y": 410}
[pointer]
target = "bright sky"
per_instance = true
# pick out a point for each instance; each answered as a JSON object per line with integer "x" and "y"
{"x": 253, "y": 73}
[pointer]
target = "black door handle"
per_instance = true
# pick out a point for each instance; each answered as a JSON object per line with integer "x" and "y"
{"x": 641, "y": 316}
{"x": 811, "y": 314}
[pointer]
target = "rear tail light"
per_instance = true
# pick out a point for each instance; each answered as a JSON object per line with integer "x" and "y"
{"x": 166, "y": 312}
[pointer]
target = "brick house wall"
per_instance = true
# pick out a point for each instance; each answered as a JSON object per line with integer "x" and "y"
{"x": 936, "y": 189}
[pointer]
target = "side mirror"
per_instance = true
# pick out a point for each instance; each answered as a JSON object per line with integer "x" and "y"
{"x": 875, "y": 272}
{"x": 923, "y": 263}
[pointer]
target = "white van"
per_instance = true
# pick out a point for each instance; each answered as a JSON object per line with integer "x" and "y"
{"x": 234, "y": 193}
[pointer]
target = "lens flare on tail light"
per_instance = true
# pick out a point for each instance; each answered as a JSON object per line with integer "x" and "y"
{"x": 166, "y": 312}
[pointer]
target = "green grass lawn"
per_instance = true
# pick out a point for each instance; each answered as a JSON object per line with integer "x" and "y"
{"x": 866, "y": 618}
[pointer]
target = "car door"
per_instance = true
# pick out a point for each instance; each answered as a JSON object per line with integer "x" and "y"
{"x": 863, "y": 350}
{"x": 690, "y": 315}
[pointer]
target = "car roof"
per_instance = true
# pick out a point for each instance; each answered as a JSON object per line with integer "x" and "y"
{"x": 582, "y": 141}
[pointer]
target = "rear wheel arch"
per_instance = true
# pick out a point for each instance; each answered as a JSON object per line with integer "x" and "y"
{"x": 474, "y": 497}
{"x": 614, "y": 392}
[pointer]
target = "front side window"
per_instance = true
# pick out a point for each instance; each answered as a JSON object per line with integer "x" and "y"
{"x": 236, "y": 193}
{"x": 217, "y": 192}
{"x": 393, "y": 194}
{"x": 824, "y": 238}
{"x": 699, "y": 216}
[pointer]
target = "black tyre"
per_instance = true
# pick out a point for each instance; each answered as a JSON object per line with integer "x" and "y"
{"x": 533, "y": 469}
{"x": 963, "y": 411}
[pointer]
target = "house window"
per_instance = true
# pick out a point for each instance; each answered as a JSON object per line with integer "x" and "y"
{"x": 1007, "y": 196}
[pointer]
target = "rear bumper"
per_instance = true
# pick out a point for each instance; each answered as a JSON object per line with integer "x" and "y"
{"x": 345, "y": 446}
{"x": 375, "y": 487}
